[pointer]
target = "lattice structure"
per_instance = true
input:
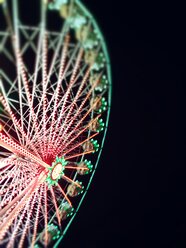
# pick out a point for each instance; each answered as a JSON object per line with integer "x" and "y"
{"x": 55, "y": 93}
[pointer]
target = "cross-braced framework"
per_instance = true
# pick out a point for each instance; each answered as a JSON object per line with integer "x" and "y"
{"x": 55, "y": 92}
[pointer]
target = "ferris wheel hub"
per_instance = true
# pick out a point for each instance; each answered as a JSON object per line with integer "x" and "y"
{"x": 56, "y": 171}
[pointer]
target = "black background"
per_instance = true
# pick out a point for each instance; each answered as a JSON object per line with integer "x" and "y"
{"x": 137, "y": 198}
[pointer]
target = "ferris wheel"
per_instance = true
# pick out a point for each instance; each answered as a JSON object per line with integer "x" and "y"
{"x": 55, "y": 96}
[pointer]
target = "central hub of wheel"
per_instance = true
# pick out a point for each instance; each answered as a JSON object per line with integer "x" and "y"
{"x": 56, "y": 171}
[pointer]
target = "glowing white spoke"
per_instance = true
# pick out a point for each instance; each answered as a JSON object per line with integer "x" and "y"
{"x": 45, "y": 215}
{"x": 56, "y": 207}
{"x": 67, "y": 93}
{"x": 36, "y": 220}
{"x": 61, "y": 37}
{"x": 10, "y": 145}
{"x": 5, "y": 100}
{"x": 62, "y": 77}
{"x": 15, "y": 121}
{"x": 75, "y": 100}
{"x": 72, "y": 79}
{"x": 79, "y": 109}
{"x": 25, "y": 83}
{"x": 35, "y": 75}
{"x": 17, "y": 42}
{"x": 79, "y": 133}
{"x": 11, "y": 242}
{"x": 56, "y": 95}
{"x": 28, "y": 219}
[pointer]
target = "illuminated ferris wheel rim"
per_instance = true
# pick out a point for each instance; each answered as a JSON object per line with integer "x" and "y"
{"x": 104, "y": 49}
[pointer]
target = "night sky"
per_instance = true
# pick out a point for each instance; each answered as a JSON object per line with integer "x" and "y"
{"x": 138, "y": 197}
{"x": 138, "y": 194}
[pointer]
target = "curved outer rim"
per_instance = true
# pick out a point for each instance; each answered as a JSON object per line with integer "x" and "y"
{"x": 105, "y": 50}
